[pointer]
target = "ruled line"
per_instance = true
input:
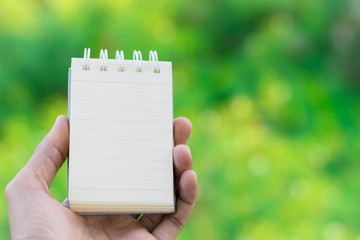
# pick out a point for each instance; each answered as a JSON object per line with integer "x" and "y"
{"x": 126, "y": 139}
{"x": 121, "y": 169}
{"x": 116, "y": 170}
{"x": 130, "y": 179}
{"x": 121, "y": 149}
{"x": 103, "y": 100}
{"x": 117, "y": 110}
{"x": 121, "y": 82}
{"x": 121, "y": 189}
{"x": 125, "y": 160}
{"x": 114, "y": 129}
{"x": 117, "y": 120}
{"x": 117, "y": 91}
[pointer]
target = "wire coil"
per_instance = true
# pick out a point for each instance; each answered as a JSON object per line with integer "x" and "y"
{"x": 103, "y": 58}
{"x": 86, "y": 65}
{"x": 120, "y": 60}
{"x": 137, "y": 57}
{"x": 153, "y": 57}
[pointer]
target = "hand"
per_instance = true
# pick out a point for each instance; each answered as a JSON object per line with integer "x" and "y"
{"x": 34, "y": 214}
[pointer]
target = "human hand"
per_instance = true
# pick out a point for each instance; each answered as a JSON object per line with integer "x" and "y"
{"x": 35, "y": 214}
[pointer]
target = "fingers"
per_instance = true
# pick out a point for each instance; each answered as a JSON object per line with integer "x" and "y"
{"x": 50, "y": 153}
{"x": 151, "y": 221}
{"x": 182, "y": 159}
{"x": 172, "y": 224}
{"x": 182, "y": 130}
{"x": 182, "y": 162}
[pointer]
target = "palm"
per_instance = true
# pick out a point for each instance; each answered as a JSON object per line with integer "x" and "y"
{"x": 114, "y": 227}
{"x": 36, "y": 214}
{"x": 109, "y": 226}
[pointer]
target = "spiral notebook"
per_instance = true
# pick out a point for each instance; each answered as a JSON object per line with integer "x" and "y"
{"x": 121, "y": 135}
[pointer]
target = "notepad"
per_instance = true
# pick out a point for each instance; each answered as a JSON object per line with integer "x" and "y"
{"x": 121, "y": 135}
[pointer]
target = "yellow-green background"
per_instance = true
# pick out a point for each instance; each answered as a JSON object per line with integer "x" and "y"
{"x": 271, "y": 86}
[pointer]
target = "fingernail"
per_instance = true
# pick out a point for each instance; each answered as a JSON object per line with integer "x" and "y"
{"x": 189, "y": 150}
{"x": 56, "y": 121}
{"x": 195, "y": 174}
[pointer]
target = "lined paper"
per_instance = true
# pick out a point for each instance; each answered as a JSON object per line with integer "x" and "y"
{"x": 121, "y": 136}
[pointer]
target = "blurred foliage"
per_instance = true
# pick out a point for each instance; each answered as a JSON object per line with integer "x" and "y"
{"x": 272, "y": 89}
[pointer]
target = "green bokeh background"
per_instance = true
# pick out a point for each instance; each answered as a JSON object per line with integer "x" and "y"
{"x": 271, "y": 86}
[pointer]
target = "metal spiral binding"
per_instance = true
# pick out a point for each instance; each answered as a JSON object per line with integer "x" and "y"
{"x": 103, "y": 58}
{"x": 86, "y": 65}
{"x": 137, "y": 57}
{"x": 153, "y": 57}
{"x": 120, "y": 60}
{"x": 119, "y": 56}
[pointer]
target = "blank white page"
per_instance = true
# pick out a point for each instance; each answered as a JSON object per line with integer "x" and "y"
{"x": 121, "y": 135}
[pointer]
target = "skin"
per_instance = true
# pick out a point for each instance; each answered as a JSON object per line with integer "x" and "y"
{"x": 35, "y": 214}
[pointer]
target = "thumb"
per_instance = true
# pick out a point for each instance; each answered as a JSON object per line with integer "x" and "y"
{"x": 50, "y": 153}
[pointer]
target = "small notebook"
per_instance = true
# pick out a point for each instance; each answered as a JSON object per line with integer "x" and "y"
{"x": 121, "y": 135}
